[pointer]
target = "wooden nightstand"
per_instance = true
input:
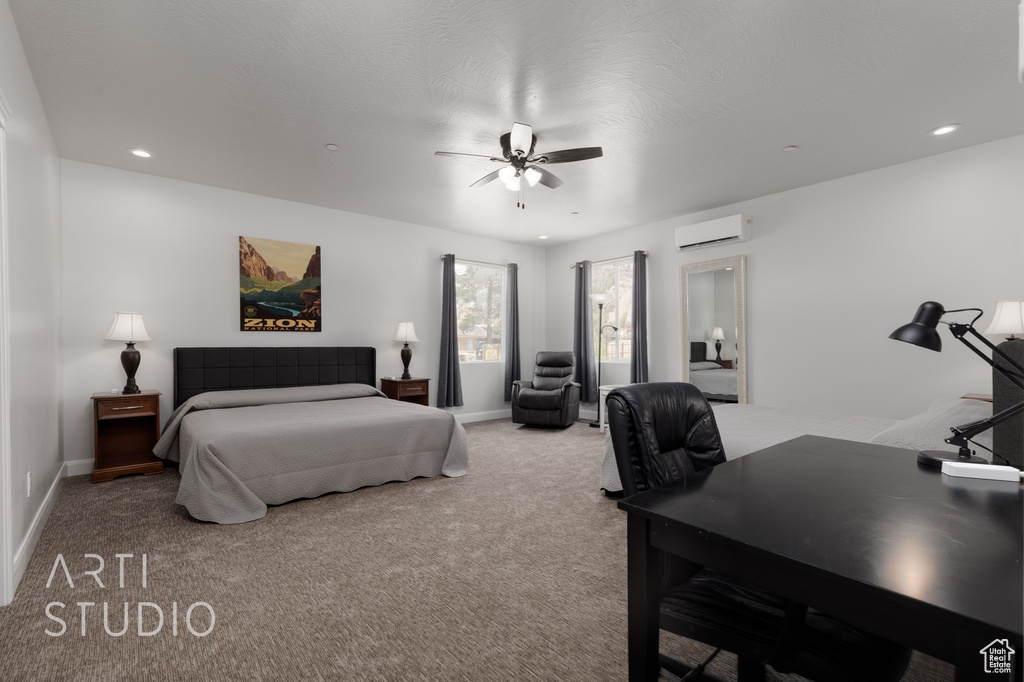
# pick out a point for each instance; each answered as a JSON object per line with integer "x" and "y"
{"x": 127, "y": 427}
{"x": 408, "y": 390}
{"x": 726, "y": 364}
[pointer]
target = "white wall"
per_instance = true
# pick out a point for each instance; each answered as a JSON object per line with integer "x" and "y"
{"x": 168, "y": 249}
{"x": 832, "y": 269}
{"x": 33, "y": 277}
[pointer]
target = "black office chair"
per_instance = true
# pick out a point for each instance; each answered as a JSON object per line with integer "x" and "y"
{"x": 553, "y": 397}
{"x": 665, "y": 431}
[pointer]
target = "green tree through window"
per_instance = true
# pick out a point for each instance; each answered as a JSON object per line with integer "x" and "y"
{"x": 479, "y": 298}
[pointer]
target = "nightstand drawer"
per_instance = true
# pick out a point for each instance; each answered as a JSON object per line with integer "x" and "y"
{"x": 412, "y": 389}
{"x": 415, "y": 390}
{"x": 126, "y": 407}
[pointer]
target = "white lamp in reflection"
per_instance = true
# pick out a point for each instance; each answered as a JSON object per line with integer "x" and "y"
{"x": 128, "y": 327}
{"x": 718, "y": 335}
{"x": 1008, "y": 319}
{"x": 406, "y": 334}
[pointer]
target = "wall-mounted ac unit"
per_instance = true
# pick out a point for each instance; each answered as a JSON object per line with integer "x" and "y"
{"x": 735, "y": 228}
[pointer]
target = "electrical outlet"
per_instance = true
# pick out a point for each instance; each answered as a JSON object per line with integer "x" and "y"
{"x": 28, "y": 485}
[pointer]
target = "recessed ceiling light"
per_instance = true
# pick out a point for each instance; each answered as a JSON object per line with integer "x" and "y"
{"x": 332, "y": 147}
{"x": 543, "y": 236}
{"x": 141, "y": 153}
{"x": 946, "y": 129}
{"x": 790, "y": 148}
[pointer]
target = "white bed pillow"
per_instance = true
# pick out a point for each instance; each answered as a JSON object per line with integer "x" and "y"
{"x": 704, "y": 365}
{"x": 928, "y": 430}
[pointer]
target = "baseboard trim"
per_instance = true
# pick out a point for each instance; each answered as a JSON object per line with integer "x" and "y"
{"x": 484, "y": 416}
{"x": 35, "y": 531}
{"x": 78, "y": 467}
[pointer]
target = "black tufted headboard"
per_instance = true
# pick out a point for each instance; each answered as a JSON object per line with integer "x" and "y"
{"x": 197, "y": 370}
{"x": 698, "y": 351}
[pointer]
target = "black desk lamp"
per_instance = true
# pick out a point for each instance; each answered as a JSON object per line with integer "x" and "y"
{"x": 922, "y": 332}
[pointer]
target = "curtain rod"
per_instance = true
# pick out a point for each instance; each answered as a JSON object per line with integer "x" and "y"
{"x": 480, "y": 262}
{"x": 607, "y": 260}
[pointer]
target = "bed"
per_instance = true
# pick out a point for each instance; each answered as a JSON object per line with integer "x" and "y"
{"x": 748, "y": 428}
{"x": 713, "y": 380}
{"x": 263, "y": 426}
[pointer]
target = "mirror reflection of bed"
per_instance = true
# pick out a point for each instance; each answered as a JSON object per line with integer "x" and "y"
{"x": 713, "y": 328}
{"x": 716, "y": 380}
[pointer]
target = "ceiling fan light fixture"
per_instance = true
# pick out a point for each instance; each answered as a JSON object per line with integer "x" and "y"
{"x": 507, "y": 173}
{"x": 514, "y": 184}
{"x": 532, "y": 176}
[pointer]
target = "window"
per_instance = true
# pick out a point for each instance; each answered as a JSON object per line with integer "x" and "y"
{"x": 479, "y": 303}
{"x": 614, "y": 279}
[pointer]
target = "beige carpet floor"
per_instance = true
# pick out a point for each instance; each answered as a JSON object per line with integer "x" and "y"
{"x": 515, "y": 571}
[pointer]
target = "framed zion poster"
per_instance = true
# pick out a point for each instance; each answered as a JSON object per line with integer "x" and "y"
{"x": 279, "y": 286}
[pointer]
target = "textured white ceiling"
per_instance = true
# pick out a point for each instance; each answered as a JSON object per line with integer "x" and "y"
{"x": 692, "y": 100}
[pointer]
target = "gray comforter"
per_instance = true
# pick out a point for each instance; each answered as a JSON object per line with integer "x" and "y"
{"x": 239, "y": 451}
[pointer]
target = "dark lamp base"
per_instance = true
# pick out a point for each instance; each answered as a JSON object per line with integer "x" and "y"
{"x": 935, "y": 458}
{"x": 406, "y": 357}
{"x": 130, "y": 357}
{"x": 596, "y": 424}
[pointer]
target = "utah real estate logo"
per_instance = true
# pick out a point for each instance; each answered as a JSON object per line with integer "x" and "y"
{"x": 998, "y": 656}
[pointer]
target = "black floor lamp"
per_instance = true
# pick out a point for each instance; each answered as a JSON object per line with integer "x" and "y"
{"x": 921, "y": 331}
{"x": 601, "y": 299}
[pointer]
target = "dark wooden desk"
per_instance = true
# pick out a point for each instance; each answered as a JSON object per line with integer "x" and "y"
{"x": 856, "y": 530}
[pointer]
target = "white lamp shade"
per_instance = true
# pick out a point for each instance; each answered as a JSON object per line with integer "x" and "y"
{"x": 1009, "y": 318}
{"x": 718, "y": 333}
{"x": 600, "y": 298}
{"x": 127, "y": 327}
{"x": 406, "y": 333}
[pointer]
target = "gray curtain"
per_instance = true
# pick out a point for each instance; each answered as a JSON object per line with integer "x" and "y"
{"x": 449, "y": 380}
{"x": 583, "y": 336}
{"x": 512, "y": 369}
{"x": 638, "y": 353}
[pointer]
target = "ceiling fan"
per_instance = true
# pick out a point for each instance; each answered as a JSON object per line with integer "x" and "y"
{"x": 517, "y": 150}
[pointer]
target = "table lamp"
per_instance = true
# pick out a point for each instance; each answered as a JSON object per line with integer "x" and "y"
{"x": 1009, "y": 319}
{"x": 128, "y": 327}
{"x": 717, "y": 334}
{"x": 921, "y": 331}
{"x": 406, "y": 334}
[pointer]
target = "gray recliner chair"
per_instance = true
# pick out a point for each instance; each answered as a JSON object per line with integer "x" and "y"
{"x": 552, "y": 398}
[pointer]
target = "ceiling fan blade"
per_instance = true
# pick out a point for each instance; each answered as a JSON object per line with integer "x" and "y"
{"x": 487, "y": 178}
{"x": 521, "y": 138}
{"x": 547, "y": 179}
{"x": 479, "y": 156}
{"x": 567, "y": 155}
